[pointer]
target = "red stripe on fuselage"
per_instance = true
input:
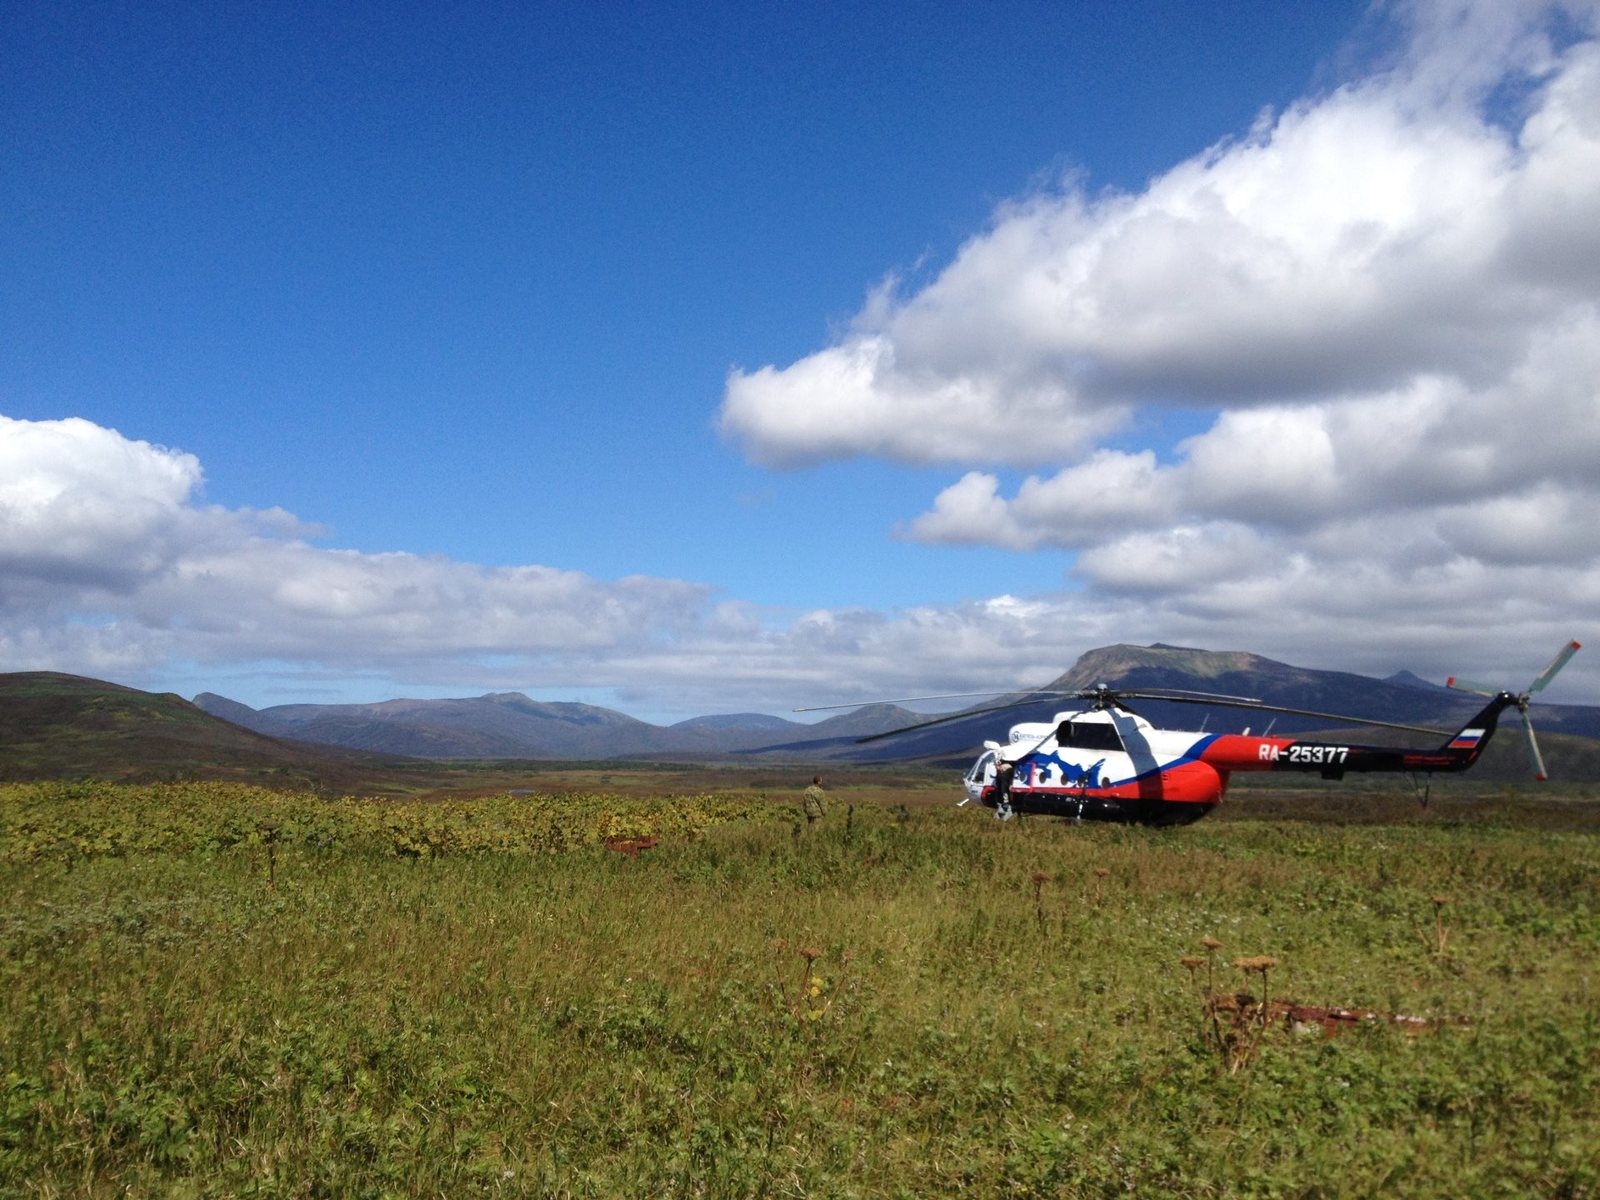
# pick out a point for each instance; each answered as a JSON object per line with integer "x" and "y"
{"x": 1236, "y": 752}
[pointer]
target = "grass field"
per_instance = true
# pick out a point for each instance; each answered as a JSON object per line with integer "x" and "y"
{"x": 209, "y": 990}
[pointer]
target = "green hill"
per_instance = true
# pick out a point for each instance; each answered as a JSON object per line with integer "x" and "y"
{"x": 56, "y": 726}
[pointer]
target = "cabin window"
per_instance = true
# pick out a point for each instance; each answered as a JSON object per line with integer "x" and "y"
{"x": 1088, "y": 735}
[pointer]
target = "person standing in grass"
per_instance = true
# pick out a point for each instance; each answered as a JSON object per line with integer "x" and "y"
{"x": 814, "y": 801}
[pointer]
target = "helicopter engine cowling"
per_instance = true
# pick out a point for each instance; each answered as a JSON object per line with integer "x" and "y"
{"x": 1186, "y": 783}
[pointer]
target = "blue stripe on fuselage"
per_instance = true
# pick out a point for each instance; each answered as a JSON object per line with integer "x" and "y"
{"x": 1073, "y": 775}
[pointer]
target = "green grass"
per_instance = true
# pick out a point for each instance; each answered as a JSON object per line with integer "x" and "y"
{"x": 444, "y": 1000}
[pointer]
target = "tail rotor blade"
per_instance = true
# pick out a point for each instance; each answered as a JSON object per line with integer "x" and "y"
{"x": 1466, "y": 685}
{"x": 1534, "y": 756}
{"x": 1556, "y": 664}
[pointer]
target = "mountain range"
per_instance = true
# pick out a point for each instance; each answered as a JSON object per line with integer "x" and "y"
{"x": 510, "y": 725}
{"x": 62, "y": 720}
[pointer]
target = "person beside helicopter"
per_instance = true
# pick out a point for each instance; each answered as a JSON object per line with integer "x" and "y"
{"x": 1004, "y": 775}
{"x": 814, "y": 801}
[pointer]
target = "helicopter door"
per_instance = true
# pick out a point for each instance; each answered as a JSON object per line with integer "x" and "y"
{"x": 979, "y": 776}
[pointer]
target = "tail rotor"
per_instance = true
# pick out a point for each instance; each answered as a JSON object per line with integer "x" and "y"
{"x": 1521, "y": 700}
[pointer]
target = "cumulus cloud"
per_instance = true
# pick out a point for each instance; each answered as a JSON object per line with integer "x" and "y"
{"x": 82, "y": 502}
{"x": 100, "y": 538}
{"x": 1385, "y": 300}
{"x": 1076, "y": 506}
{"x": 1354, "y": 243}
{"x": 129, "y": 596}
{"x": 111, "y": 567}
{"x": 858, "y": 399}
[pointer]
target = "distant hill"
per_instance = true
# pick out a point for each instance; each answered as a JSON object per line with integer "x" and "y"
{"x": 1407, "y": 679}
{"x": 724, "y": 722}
{"x": 510, "y": 725}
{"x": 56, "y": 726}
{"x": 500, "y": 725}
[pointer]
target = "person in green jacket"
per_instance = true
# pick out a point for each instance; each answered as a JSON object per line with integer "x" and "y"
{"x": 814, "y": 801}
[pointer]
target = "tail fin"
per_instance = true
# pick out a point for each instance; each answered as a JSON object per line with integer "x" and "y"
{"x": 1467, "y": 743}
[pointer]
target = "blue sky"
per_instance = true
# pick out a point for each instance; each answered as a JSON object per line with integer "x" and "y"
{"x": 798, "y": 351}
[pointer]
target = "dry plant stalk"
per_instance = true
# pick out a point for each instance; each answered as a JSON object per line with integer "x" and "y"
{"x": 1246, "y": 1047}
{"x": 1212, "y": 946}
{"x": 1039, "y": 880}
{"x": 1440, "y": 931}
{"x": 1239, "y": 1040}
{"x": 1213, "y": 1032}
{"x": 811, "y": 999}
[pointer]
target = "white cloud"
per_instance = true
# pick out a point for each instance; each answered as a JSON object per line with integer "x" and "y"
{"x": 971, "y": 512}
{"x": 109, "y": 568}
{"x": 231, "y": 593}
{"x": 1388, "y": 298}
{"x": 1108, "y": 492}
{"x": 1354, "y": 244}
{"x": 80, "y": 500}
{"x": 1187, "y": 557}
{"x": 1545, "y": 524}
{"x": 101, "y": 546}
{"x": 857, "y": 398}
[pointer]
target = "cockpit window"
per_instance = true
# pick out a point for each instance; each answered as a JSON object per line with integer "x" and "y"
{"x": 981, "y": 767}
{"x": 1088, "y": 735}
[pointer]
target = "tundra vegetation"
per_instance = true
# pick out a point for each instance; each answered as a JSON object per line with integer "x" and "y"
{"x": 214, "y": 990}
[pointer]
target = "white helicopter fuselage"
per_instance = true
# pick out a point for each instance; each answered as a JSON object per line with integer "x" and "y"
{"x": 1092, "y": 761}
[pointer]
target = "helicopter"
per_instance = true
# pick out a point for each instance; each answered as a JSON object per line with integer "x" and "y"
{"x": 1102, "y": 761}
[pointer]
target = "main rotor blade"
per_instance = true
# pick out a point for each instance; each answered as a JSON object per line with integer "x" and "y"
{"x": 1533, "y": 749}
{"x": 1549, "y": 673}
{"x": 913, "y": 699}
{"x": 1179, "y": 695}
{"x": 1299, "y": 712}
{"x": 1093, "y": 693}
{"x": 945, "y": 719}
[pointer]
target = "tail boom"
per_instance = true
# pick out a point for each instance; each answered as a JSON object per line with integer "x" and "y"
{"x": 1332, "y": 760}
